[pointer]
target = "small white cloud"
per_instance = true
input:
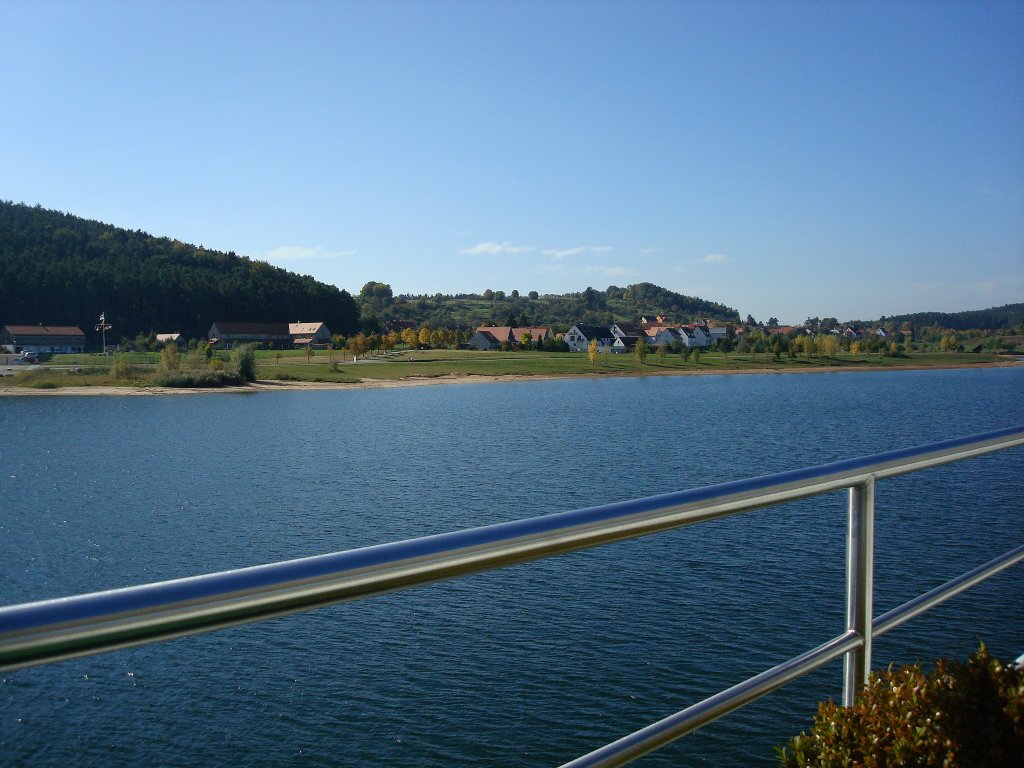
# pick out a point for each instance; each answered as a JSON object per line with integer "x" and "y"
{"x": 579, "y": 250}
{"x": 715, "y": 258}
{"x": 496, "y": 249}
{"x": 299, "y": 252}
{"x": 650, "y": 251}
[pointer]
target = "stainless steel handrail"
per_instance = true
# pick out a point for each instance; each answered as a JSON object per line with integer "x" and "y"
{"x": 64, "y": 628}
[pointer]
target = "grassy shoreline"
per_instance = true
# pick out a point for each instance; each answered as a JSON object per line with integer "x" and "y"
{"x": 292, "y": 369}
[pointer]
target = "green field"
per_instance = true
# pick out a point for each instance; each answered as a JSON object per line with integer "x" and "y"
{"x": 136, "y": 369}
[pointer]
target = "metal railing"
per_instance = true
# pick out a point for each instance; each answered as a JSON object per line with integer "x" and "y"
{"x": 65, "y": 628}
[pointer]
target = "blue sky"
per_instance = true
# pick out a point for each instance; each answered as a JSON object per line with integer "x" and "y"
{"x": 789, "y": 159}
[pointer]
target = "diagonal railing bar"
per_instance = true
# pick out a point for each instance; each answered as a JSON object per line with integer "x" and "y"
{"x": 69, "y": 627}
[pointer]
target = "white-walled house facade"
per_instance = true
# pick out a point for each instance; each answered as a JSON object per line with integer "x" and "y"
{"x": 579, "y": 337}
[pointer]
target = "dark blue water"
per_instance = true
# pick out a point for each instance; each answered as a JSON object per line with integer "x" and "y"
{"x": 529, "y": 666}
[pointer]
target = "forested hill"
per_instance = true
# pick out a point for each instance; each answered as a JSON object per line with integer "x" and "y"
{"x": 380, "y": 307}
{"x": 1006, "y": 316}
{"x": 58, "y": 269}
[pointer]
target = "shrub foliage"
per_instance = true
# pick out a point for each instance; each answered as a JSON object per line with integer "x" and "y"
{"x": 962, "y": 714}
{"x": 196, "y": 378}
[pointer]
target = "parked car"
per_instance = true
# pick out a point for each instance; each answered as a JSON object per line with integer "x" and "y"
{"x": 29, "y": 357}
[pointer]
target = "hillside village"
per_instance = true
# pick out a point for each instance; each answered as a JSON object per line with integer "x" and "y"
{"x": 655, "y": 333}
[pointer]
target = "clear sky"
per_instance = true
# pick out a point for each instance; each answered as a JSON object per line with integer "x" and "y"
{"x": 789, "y": 159}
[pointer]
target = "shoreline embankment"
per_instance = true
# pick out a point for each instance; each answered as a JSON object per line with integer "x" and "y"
{"x": 444, "y": 379}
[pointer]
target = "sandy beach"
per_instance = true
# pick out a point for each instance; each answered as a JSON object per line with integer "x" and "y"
{"x": 7, "y": 390}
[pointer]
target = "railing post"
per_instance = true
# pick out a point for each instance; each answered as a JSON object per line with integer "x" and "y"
{"x": 860, "y": 546}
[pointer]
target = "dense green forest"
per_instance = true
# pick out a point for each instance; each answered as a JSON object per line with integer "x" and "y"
{"x": 380, "y": 307}
{"x": 58, "y": 269}
{"x": 1006, "y": 316}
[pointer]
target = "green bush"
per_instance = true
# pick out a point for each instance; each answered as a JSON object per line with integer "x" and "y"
{"x": 243, "y": 360}
{"x": 962, "y": 714}
{"x": 201, "y": 378}
{"x": 123, "y": 369}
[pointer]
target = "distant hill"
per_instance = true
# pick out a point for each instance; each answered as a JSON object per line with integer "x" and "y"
{"x": 1006, "y": 316}
{"x": 59, "y": 269}
{"x": 379, "y": 305}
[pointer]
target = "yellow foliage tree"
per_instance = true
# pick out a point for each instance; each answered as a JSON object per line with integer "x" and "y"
{"x": 828, "y": 344}
{"x": 592, "y": 351}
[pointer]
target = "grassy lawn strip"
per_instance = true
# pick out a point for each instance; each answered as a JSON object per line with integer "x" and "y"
{"x": 294, "y": 365}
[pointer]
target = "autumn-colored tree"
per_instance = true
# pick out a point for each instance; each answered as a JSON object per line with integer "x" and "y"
{"x": 592, "y": 351}
{"x": 526, "y": 340}
{"x": 390, "y": 340}
{"x": 827, "y": 344}
{"x": 810, "y": 348}
{"x": 357, "y": 345}
{"x": 640, "y": 350}
{"x": 169, "y": 357}
{"x": 948, "y": 342}
{"x": 409, "y": 337}
{"x": 424, "y": 335}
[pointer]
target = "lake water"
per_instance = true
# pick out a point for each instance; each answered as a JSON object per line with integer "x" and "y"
{"x": 528, "y": 666}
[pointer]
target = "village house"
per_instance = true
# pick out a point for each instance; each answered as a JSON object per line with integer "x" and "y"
{"x": 625, "y": 329}
{"x": 492, "y": 337}
{"x": 306, "y": 334}
{"x": 483, "y": 340}
{"x": 624, "y": 344}
{"x": 275, "y": 335}
{"x": 167, "y": 338}
{"x": 43, "y": 339}
{"x": 228, "y": 335}
{"x": 578, "y": 338}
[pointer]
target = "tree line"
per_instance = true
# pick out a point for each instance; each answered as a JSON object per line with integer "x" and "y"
{"x": 59, "y": 269}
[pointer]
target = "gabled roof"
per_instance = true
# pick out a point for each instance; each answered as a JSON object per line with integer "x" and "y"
{"x": 303, "y": 328}
{"x": 595, "y": 331}
{"x": 499, "y": 332}
{"x": 43, "y": 330}
{"x": 535, "y": 333}
{"x": 507, "y": 333}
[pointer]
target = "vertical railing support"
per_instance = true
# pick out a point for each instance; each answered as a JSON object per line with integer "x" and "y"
{"x": 860, "y": 546}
